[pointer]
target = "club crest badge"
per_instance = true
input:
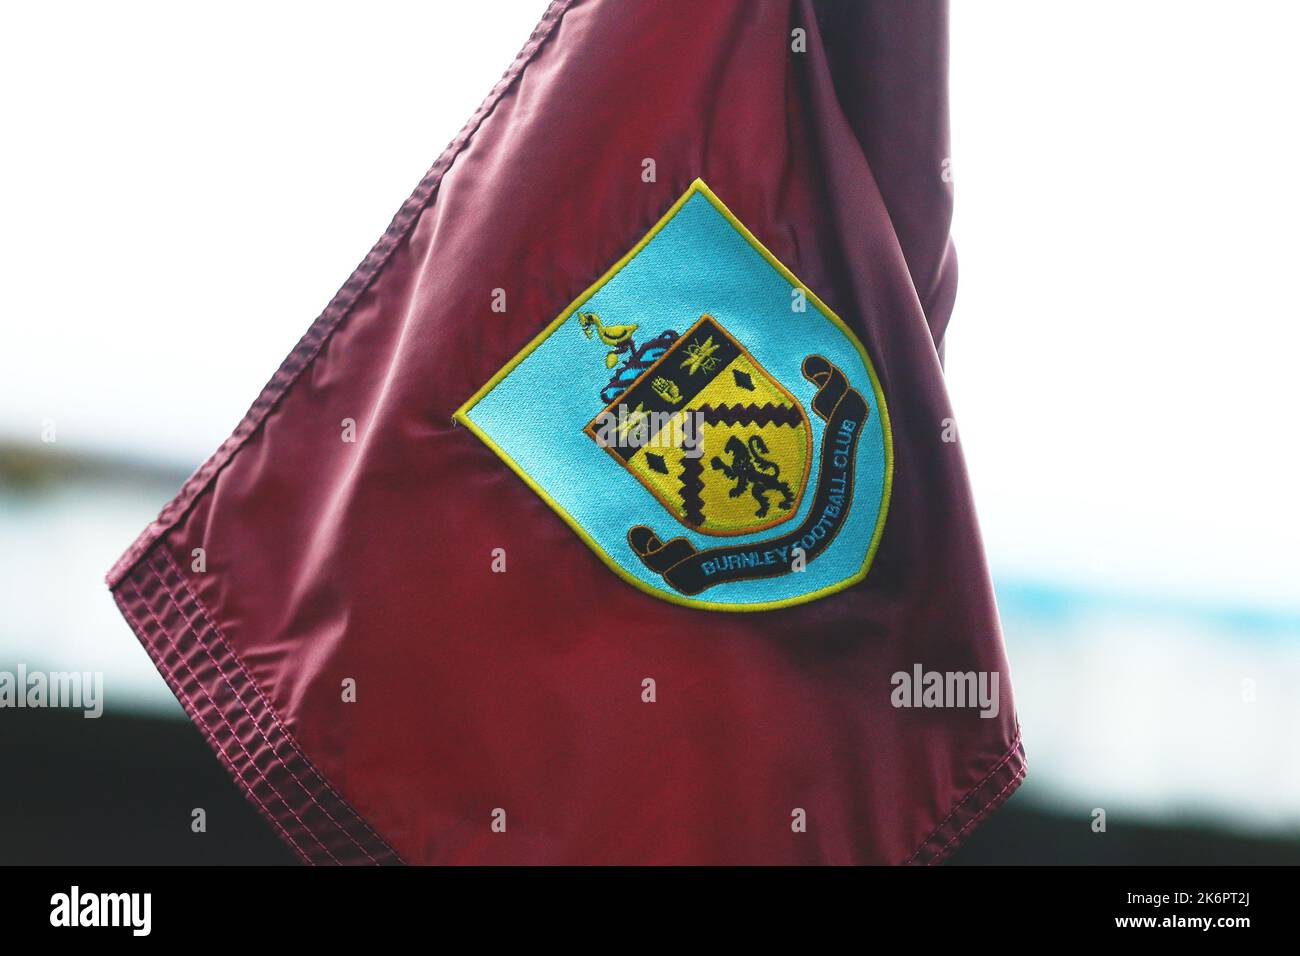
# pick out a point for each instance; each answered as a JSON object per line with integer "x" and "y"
{"x": 702, "y": 420}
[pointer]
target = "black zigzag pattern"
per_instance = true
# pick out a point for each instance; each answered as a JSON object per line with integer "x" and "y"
{"x": 692, "y": 489}
{"x": 769, "y": 414}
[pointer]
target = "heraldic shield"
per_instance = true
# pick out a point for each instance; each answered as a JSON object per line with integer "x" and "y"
{"x": 705, "y": 423}
{"x": 711, "y": 434}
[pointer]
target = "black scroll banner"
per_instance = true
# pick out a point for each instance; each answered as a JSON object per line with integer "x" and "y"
{"x": 690, "y": 571}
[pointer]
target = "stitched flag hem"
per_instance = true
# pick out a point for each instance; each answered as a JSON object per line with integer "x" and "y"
{"x": 237, "y": 720}
{"x": 978, "y": 803}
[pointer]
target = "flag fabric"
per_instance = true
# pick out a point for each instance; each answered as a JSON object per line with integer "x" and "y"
{"x": 614, "y": 510}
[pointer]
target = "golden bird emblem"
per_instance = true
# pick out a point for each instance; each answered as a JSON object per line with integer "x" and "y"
{"x": 612, "y": 335}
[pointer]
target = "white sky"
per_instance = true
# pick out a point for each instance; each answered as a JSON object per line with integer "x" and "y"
{"x": 182, "y": 192}
{"x": 1122, "y": 356}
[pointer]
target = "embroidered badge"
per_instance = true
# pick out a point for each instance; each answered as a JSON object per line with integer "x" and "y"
{"x": 729, "y": 450}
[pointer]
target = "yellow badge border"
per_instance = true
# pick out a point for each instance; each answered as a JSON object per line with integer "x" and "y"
{"x": 461, "y": 415}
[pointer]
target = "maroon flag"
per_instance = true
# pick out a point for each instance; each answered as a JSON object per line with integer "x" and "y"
{"x": 613, "y": 510}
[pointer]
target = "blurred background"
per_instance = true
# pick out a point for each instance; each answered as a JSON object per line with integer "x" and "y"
{"x": 1121, "y": 361}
